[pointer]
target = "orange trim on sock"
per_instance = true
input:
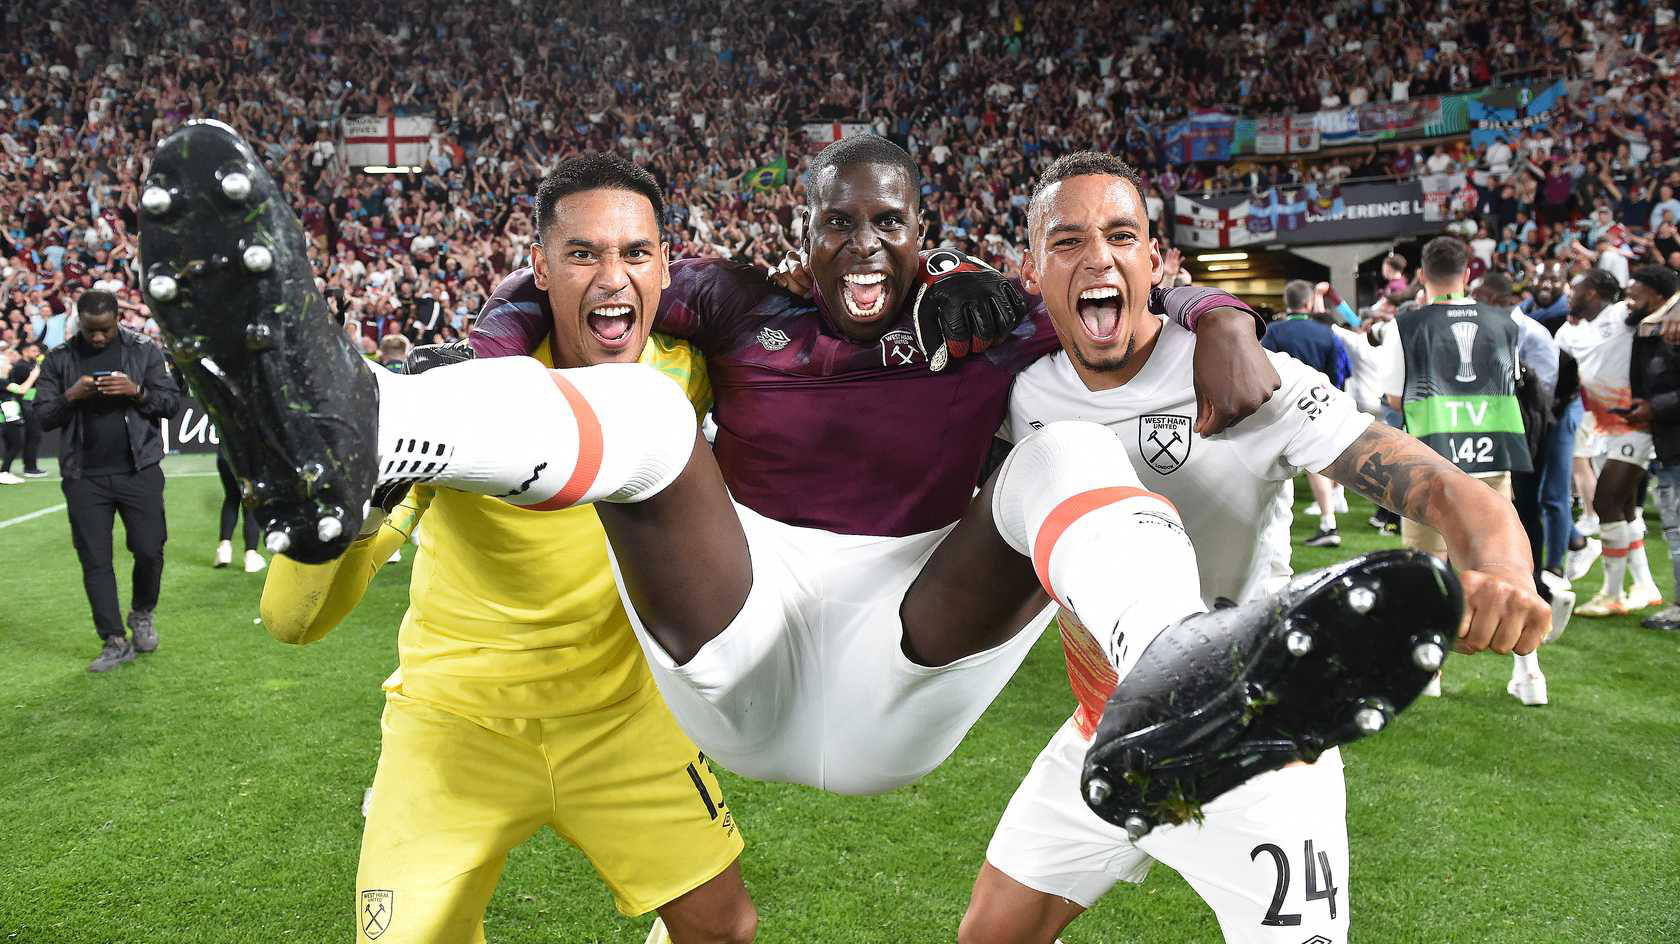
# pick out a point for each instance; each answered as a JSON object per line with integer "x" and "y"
{"x": 1637, "y": 546}
{"x": 1072, "y": 509}
{"x": 1616, "y": 551}
{"x": 590, "y": 445}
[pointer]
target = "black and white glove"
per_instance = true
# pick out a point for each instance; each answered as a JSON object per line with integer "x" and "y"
{"x": 963, "y": 306}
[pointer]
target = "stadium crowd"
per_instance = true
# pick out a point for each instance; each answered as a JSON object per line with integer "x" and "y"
{"x": 983, "y": 93}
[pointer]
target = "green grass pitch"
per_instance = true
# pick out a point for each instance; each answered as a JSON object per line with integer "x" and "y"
{"x": 211, "y": 792}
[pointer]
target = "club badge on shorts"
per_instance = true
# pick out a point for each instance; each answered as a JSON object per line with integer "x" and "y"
{"x": 1164, "y": 441}
{"x": 378, "y": 907}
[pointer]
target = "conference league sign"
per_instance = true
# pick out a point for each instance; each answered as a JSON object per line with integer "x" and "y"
{"x": 1306, "y": 214}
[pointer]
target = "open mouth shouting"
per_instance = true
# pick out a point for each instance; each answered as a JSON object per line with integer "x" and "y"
{"x": 1099, "y": 313}
{"x": 612, "y": 325}
{"x": 865, "y": 295}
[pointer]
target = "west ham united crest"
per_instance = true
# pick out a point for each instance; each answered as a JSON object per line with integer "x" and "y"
{"x": 898, "y": 347}
{"x": 1164, "y": 441}
{"x": 378, "y": 906}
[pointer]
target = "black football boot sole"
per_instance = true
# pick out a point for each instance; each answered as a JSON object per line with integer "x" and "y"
{"x": 227, "y": 276}
{"x": 1223, "y": 696}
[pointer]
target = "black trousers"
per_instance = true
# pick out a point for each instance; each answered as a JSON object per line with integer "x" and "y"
{"x": 1525, "y": 495}
{"x": 231, "y": 506}
{"x": 94, "y": 502}
{"x": 31, "y": 438}
{"x": 11, "y": 444}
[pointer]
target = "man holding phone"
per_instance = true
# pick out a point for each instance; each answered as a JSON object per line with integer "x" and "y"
{"x": 107, "y": 388}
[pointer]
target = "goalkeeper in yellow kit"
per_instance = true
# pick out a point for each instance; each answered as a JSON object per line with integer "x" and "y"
{"x": 522, "y": 699}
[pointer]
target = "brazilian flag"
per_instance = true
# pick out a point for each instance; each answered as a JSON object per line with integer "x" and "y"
{"x": 770, "y": 176}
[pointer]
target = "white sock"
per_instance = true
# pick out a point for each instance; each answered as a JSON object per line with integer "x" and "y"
{"x": 1327, "y": 522}
{"x": 1526, "y": 665}
{"x": 1639, "y": 566}
{"x": 1616, "y": 536}
{"x": 540, "y": 438}
{"x": 1113, "y": 553}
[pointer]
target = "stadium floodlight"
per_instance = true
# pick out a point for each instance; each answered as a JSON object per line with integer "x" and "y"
{"x": 1221, "y": 257}
{"x": 1228, "y": 267}
{"x": 394, "y": 169}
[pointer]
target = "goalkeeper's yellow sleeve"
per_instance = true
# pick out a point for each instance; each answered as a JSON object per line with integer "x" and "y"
{"x": 302, "y": 602}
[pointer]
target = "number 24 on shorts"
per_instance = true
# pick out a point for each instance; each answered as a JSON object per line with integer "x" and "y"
{"x": 1314, "y": 892}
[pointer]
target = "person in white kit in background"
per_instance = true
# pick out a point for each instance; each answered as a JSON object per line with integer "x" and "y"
{"x": 1600, "y": 338}
{"x": 1051, "y": 856}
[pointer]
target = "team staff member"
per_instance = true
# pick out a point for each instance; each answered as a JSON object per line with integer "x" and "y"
{"x": 1314, "y": 344}
{"x": 108, "y": 389}
{"x": 521, "y": 698}
{"x": 1457, "y": 386}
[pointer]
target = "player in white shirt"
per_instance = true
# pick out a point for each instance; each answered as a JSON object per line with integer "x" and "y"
{"x": 1600, "y": 338}
{"x": 1270, "y": 856}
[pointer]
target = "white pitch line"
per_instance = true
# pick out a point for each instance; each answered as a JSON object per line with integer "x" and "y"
{"x": 20, "y": 519}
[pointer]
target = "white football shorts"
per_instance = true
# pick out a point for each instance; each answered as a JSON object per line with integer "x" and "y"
{"x": 1634, "y": 448}
{"x": 809, "y": 683}
{"x": 1270, "y": 857}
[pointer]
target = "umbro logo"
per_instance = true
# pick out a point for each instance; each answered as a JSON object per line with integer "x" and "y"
{"x": 1318, "y": 939}
{"x": 771, "y": 339}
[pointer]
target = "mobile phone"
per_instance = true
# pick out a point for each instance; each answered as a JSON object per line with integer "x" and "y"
{"x": 1621, "y": 410}
{"x": 101, "y": 373}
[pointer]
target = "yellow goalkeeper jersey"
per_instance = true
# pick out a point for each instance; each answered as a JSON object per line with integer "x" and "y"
{"x": 512, "y": 613}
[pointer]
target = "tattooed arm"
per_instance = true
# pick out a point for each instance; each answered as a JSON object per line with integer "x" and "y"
{"x": 1484, "y": 538}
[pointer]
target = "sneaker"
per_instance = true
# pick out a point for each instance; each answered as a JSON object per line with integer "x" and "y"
{"x": 1339, "y": 504}
{"x": 1601, "y": 606}
{"x": 7, "y": 478}
{"x": 1222, "y": 696}
{"x": 226, "y": 274}
{"x": 1666, "y": 618}
{"x": 1433, "y": 688}
{"x": 254, "y": 562}
{"x": 396, "y": 556}
{"x": 1312, "y": 510}
{"x": 145, "y": 634}
{"x": 1529, "y": 688}
{"x": 224, "y": 554}
{"x": 1325, "y": 538}
{"x": 34, "y": 473}
{"x": 1580, "y": 560}
{"x": 115, "y": 652}
{"x": 1644, "y": 596}
{"x": 1563, "y": 603}
{"x": 1587, "y": 525}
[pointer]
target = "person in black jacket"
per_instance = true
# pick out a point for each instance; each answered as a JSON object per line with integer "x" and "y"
{"x": 108, "y": 389}
{"x": 1654, "y": 376}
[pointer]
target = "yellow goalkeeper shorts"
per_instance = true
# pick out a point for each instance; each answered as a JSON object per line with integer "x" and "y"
{"x": 454, "y": 794}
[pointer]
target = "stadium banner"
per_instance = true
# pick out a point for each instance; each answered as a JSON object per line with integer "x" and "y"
{"x": 1303, "y": 134}
{"x": 1204, "y": 137}
{"x": 1389, "y": 120}
{"x": 189, "y": 430}
{"x": 387, "y": 141}
{"x": 768, "y": 177}
{"x": 820, "y": 134}
{"x": 1305, "y": 214}
{"x": 1507, "y": 112}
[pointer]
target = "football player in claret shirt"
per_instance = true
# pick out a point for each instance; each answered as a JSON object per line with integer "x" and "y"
{"x": 521, "y": 699}
{"x": 822, "y": 599}
{"x": 1124, "y": 367}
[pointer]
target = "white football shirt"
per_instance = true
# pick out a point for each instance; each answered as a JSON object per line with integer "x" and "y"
{"x": 1603, "y": 350}
{"x": 1228, "y": 489}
